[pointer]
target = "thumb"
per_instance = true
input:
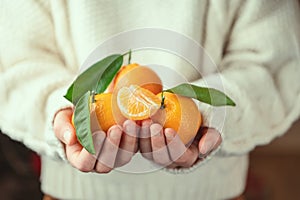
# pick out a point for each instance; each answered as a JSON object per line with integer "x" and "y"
{"x": 63, "y": 128}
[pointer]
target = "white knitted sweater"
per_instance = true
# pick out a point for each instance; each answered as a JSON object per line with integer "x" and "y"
{"x": 255, "y": 45}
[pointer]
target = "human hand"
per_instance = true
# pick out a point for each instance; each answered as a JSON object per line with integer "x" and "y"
{"x": 113, "y": 149}
{"x": 165, "y": 148}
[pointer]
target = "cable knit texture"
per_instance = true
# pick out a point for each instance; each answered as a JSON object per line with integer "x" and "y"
{"x": 255, "y": 45}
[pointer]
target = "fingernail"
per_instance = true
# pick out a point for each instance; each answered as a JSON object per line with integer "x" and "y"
{"x": 67, "y": 136}
{"x": 169, "y": 134}
{"x": 207, "y": 147}
{"x": 155, "y": 130}
{"x": 115, "y": 133}
{"x": 130, "y": 129}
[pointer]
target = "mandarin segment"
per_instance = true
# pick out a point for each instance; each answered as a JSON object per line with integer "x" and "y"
{"x": 137, "y": 103}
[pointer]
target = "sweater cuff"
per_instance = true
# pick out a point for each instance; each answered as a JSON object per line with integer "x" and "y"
{"x": 56, "y": 102}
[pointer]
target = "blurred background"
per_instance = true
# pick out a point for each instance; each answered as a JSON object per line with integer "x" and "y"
{"x": 274, "y": 172}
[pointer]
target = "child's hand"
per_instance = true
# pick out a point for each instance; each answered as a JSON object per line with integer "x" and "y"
{"x": 165, "y": 148}
{"x": 113, "y": 149}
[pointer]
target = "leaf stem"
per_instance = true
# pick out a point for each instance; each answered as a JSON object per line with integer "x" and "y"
{"x": 93, "y": 96}
{"x": 127, "y": 53}
{"x": 129, "y": 57}
{"x": 162, "y": 103}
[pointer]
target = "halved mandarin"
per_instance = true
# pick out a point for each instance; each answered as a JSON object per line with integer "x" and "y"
{"x": 137, "y": 103}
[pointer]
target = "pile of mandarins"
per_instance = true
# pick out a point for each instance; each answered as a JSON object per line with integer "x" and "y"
{"x": 136, "y": 94}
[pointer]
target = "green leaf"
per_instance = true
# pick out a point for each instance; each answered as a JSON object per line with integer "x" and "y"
{"x": 82, "y": 123}
{"x": 69, "y": 94}
{"x": 108, "y": 74}
{"x": 95, "y": 78}
{"x": 206, "y": 95}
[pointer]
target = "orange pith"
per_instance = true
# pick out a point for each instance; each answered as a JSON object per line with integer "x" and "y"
{"x": 137, "y": 103}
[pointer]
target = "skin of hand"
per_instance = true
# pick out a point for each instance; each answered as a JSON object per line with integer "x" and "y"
{"x": 113, "y": 149}
{"x": 164, "y": 147}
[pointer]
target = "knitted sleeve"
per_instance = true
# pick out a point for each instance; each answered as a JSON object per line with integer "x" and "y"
{"x": 260, "y": 70}
{"x": 33, "y": 76}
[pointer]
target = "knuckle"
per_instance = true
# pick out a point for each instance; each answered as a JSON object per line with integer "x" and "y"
{"x": 131, "y": 142}
{"x": 124, "y": 155}
{"x": 103, "y": 169}
{"x": 112, "y": 147}
{"x": 147, "y": 155}
{"x": 83, "y": 167}
{"x": 143, "y": 145}
{"x": 124, "y": 160}
{"x": 160, "y": 160}
{"x": 158, "y": 144}
{"x": 186, "y": 160}
{"x": 182, "y": 160}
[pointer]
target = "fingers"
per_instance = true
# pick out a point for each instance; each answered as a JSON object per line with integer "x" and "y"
{"x": 179, "y": 154}
{"x": 75, "y": 153}
{"x": 63, "y": 128}
{"x": 175, "y": 146}
{"x": 112, "y": 150}
{"x": 210, "y": 140}
{"x": 145, "y": 140}
{"x": 107, "y": 157}
{"x": 80, "y": 158}
{"x": 99, "y": 138}
{"x": 115, "y": 149}
{"x": 158, "y": 144}
{"x": 128, "y": 144}
{"x": 166, "y": 146}
{"x": 107, "y": 149}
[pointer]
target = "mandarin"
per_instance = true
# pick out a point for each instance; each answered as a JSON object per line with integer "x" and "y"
{"x": 134, "y": 74}
{"x": 179, "y": 113}
{"x": 176, "y": 112}
{"x": 107, "y": 114}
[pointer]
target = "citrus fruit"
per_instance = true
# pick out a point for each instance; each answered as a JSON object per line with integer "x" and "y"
{"x": 134, "y": 74}
{"x": 107, "y": 114}
{"x": 124, "y": 70}
{"x": 137, "y": 103}
{"x": 179, "y": 113}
